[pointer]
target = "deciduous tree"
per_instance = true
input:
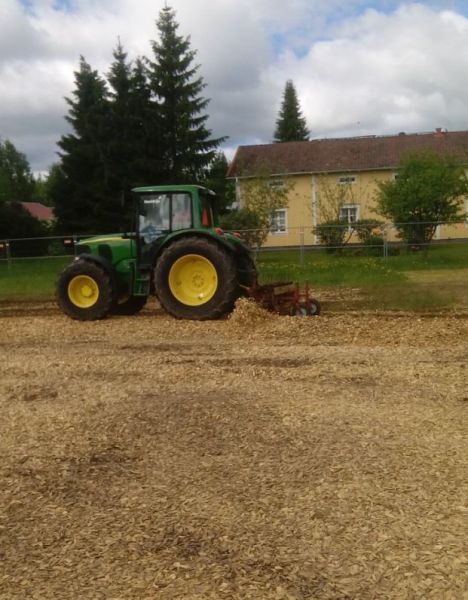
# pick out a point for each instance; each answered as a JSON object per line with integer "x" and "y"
{"x": 263, "y": 195}
{"x": 428, "y": 189}
{"x": 215, "y": 179}
{"x": 16, "y": 180}
{"x": 17, "y": 185}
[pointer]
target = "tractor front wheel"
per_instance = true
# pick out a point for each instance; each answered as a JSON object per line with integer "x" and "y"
{"x": 195, "y": 278}
{"x": 84, "y": 291}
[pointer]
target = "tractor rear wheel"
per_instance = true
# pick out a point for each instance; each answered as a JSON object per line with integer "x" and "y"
{"x": 246, "y": 273}
{"x": 195, "y": 278}
{"x": 84, "y": 291}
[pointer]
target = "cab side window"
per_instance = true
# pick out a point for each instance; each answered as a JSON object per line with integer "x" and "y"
{"x": 181, "y": 211}
{"x": 154, "y": 216}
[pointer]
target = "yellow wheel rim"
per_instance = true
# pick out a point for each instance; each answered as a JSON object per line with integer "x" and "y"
{"x": 193, "y": 280}
{"x": 83, "y": 291}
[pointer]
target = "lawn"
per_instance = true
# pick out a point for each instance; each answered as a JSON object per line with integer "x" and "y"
{"x": 351, "y": 281}
{"x": 436, "y": 280}
{"x": 30, "y": 278}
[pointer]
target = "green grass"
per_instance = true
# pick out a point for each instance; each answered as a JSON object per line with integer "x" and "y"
{"x": 411, "y": 281}
{"x": 382, "y": 283}
{"x": 349, "y": 268}
{"x": 326, "y": 269}
{"x": 26, "y": 279}
{"x": 450, "y": 256}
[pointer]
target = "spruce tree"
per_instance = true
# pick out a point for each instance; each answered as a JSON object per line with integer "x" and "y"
{"x": 81, "y": 193}
{"x": 290, "y": 124}
{"x": 121, "y": 147}
{"x": 146, "y": 129}
{"x": 187, "y": 144}
{"x": 134, "y": 125}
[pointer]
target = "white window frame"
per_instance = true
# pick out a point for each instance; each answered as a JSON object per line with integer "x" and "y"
{"x": 346, "y": 179}
{"x": 348, "y": 207}
{"x": 274, "y": 222}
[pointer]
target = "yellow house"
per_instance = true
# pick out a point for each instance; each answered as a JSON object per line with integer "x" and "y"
{"x": 333, "y": 178}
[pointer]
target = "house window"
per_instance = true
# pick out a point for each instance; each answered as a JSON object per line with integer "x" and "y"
{"x": 279, "y": 221}
{"x": 347, "y": 179}
{"x": 349, "y": 213}
{"x": 275, "y": 182}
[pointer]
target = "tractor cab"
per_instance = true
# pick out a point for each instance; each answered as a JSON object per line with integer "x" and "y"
{"x": 162, "y": 211}
{"x": 166, "y": 212}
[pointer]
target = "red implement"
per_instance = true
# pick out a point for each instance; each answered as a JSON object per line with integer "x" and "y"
{"x": 285, "y": 298}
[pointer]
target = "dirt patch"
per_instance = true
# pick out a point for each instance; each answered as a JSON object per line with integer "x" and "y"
{"x": 257, "y": 457}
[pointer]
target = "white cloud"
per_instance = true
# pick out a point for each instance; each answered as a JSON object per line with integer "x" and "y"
{"x": 386, "y": 73}
{"x": 383, "y": 70}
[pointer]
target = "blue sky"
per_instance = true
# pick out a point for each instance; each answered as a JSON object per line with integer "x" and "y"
{"x": 359, "y": 67}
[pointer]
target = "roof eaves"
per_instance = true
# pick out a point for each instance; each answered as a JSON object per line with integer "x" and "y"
{"x": 321, "y": 172}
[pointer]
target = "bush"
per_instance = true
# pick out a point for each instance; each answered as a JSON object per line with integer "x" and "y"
{"x": 332, "y": 234}
{"x": 368, "y": 230}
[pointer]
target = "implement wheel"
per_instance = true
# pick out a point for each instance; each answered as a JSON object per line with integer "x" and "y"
{"x": 195, "y": 278}
{"x": 84, "y": 291}
{"x": 312, "y": 309}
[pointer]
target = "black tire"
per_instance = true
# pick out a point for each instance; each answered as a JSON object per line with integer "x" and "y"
{"x": 131, "y": 306}
{"x": 246, "y": 273}
{"x": 84, "y": 291}
{"x": 221, "y": 282}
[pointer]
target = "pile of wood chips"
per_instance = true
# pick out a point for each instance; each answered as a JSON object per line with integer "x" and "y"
{"x": 259, "y": 457}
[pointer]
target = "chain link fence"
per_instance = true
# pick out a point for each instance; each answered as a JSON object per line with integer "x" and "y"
{"x": 348, "y": 239}
{"x": 362, "y": 239}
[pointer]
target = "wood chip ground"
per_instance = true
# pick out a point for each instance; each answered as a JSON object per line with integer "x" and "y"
{"x": 259, "y": 457}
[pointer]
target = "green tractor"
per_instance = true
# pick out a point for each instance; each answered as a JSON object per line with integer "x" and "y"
{"x": 177, "y": 252}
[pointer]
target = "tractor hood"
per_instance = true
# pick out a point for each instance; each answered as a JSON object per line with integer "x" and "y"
{"x": 112, "y": 247}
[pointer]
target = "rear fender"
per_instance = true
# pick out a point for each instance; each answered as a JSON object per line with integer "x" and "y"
{"x": 235, "y": 249}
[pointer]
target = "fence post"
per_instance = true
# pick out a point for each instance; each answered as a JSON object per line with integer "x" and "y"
{"x": 301, "y": 245}
{"x": 8, "y": 253}
{"x": 385, "y": 242}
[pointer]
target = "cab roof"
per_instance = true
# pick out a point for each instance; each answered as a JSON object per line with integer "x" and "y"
{"x": 171, "y": 188}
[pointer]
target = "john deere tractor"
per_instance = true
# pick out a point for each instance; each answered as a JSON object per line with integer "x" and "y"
{"x": 177, "y": 252}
